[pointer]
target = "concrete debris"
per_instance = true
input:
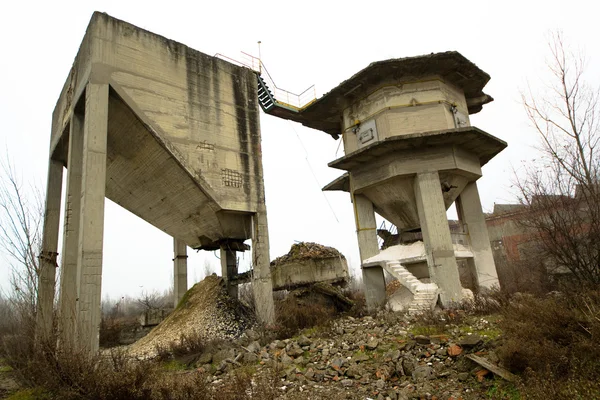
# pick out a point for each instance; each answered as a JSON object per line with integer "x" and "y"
{"x": 321, "y": 293}
{"x": 361, "y": 357}
{"x": 501, "y": 372}
{"x": 305, "y": 251}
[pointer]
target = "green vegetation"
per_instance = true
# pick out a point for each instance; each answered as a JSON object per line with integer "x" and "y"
{"x": 30, "y": 394}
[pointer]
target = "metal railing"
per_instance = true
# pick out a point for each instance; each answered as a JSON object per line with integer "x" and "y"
{"x": 283, "y": 97}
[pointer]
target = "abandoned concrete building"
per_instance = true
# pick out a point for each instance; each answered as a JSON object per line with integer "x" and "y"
{"x": 173, "y": 136}
{"x": 410, "y": 153}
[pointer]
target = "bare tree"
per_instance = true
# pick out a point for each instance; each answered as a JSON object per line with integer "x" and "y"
{"x": 561, "y": 191}
{"x": 21, "y": 214}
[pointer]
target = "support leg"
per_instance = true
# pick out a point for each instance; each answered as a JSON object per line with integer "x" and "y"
{"x": 179, "y": 270}
{"x": 366, "y": 231}
{"x": 262, "y": 286}
{"x": 68, "y": 280}
{"x": 91, "y": 226}
{"x": 436, "y": 236}
{"x": 229, "y": 269}
{"x": 47, "y": 274}
{"x": 468, "y": 206}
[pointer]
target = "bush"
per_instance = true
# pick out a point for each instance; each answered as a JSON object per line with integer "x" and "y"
{"x": 554, "y": 342}
{"x": 294, "y": 314}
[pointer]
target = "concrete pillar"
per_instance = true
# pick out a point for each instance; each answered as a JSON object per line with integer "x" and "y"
{"x": 91, "y": 223}
{"x": 47, "y": 258}
{"x": 468, "y": 206}
{"x": 262, "y": 286}
{"x": 436, "y": 236}
{"x": 368, "y": 246}
{"x": 229, "y": 269}
{"x": 68, "y": 280}
{"x": 179, "y": 270}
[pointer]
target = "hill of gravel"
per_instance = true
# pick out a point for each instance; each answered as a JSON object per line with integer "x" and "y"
{"x": 206, "y": 310}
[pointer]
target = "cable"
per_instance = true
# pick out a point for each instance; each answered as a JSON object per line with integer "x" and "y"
{"x": 313, "y": 172}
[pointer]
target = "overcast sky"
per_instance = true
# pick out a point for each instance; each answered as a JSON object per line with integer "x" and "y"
{"x": 303, "y": 43}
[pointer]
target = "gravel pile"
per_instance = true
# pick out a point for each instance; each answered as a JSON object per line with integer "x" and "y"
{"x": 205, "y": 310}
{"x": 306, "y": 251}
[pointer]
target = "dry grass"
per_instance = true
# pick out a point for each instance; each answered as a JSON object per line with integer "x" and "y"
{"x": 554, "y": 342}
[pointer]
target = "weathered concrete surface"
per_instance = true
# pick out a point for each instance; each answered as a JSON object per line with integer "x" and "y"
{"x": 47, "y": 275}
{"x": 68, "y": 280}
{"x": 469, "y": 210}
{"x": 91, "y": 215}
{"x": 229, "y": 269}
{"x": 436, "y": 234}
{"x": 300, "y": 273}
{"x": 180, "y": 285}
{"x": 184, "y": 140}
{"x": 170, "y": 134}
{"x": 366, "y": 231}
{"x": 448, "y": 73}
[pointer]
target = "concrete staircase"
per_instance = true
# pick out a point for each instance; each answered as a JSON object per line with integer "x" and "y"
{"x": 425, "y": 294}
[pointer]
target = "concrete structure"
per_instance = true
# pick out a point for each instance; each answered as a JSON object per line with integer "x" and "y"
{"x": 295, "y": 274}
{"x": 410, "y": 153}
{"x": 170, "y": 134}
{"x": 180, "y": 285}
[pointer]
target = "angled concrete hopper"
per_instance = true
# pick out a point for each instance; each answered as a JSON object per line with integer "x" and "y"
{"x": 170, "y": 134}
{"x": 411, "y": 152}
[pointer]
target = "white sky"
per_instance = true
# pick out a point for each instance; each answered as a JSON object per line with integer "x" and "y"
{"x": 320, "y": 42}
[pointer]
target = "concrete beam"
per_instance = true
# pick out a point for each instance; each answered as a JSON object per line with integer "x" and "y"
{"x": 47, "y": 259}
{"x": 436, "y": 237}
{"x": 229, "y": 269}
{"x": 262, "y": 285}
{"x": 91, "y": 227}
{"x": 368, "y": 246}
{"x": 68, "y": 280}
{"x": 180, "y": 285}
{"x": 468, "y": 206}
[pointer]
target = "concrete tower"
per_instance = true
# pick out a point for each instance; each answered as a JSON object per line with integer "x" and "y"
{"x": 410, "y": 153}
{"x": 168, "y": 133}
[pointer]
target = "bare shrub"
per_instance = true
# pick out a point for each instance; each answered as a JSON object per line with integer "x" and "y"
{"x": 561, "y": 190}
{"x": 294, "y": 314}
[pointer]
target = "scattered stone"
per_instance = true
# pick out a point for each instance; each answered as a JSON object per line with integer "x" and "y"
{"x": 422, "y": 372}
{"x": 454, "y": 350}
{"x": 422, "y": 339}
{"x": 304, "y": 341}
{"x": 470, "y": 341}
{"x": 463, "y": 376}
{"x": 347, "y": 382}
{"x": 372, "y": 344}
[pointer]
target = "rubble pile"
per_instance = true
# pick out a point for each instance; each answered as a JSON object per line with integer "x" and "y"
{"x": 206, "y": 310}
{"x": 368, "y": 357}
{"x": 305, "y": 251}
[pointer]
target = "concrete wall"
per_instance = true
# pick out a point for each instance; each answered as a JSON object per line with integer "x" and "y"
{"x": 405, "y": 107}
{"x": 172, "y": 109}
{"x": 331, "y": 270}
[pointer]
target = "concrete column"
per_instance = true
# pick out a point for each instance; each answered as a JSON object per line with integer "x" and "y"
{"x": 436, "y": 236}
{"x": 468, "y": 206}
{"x": 366, "y": 231}
{"x": 91, "y": 224}
{"x": 262, "y": 286}
{"x": 229, "y": 269}
{"x": 179, "y": 270}
{"x": 47, "y": 259}
{"x": 68, "y": 280}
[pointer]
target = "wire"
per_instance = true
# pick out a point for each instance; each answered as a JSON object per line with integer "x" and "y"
{"x": 313, "y": 172}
